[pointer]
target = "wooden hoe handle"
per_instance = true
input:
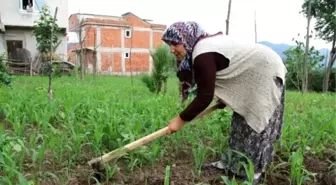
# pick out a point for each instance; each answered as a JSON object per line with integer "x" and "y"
{"x": 142, "y": 141}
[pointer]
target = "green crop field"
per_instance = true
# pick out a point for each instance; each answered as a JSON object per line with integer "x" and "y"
{"x": 49, "y": 143}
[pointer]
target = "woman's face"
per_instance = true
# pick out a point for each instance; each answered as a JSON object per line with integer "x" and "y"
{"x": 178, "y": 50}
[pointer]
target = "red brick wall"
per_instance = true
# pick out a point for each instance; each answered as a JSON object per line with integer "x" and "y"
{"x": 136, "y": 22}
{"x": 139, "y": 39}
{"x": 139, "y": 63}
{"x": 73, "y": 21}
{"x": 117, "y": 62}
{"x": 105, "y": 60}
{"x": 108, "y": 59}
{"x": 157, "y": 39}
{"x": 89, "y": 37}
{"x": 110, "y": 37}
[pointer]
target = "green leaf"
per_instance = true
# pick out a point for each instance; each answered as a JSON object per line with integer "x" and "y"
{"x": 17, "y": 148}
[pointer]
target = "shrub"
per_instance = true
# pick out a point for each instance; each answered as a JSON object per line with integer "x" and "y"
{"x": 163, "y": 64}
{"x": 5, "y": 78}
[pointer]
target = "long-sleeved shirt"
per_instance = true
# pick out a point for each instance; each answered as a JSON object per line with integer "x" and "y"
{"x": 205, "y": 67}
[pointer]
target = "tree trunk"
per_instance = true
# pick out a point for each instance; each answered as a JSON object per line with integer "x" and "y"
{"x": 305, "y": 62}
{"x": 228, "y": 18}
{"x": 81, "y": 51}
{"x": 165, "y": 86}
{"x": 158, "y": 86}
{"x": 330, "y": 64}
{"x": 327, "y": 73}
{"x": 94, "y": 61}
{"x": 50, "y": 91}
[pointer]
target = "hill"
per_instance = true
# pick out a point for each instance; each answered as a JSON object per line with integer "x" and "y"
{"x": 280, "y": 48}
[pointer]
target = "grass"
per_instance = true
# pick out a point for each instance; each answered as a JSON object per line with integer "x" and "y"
{"x": 43, "y": 140}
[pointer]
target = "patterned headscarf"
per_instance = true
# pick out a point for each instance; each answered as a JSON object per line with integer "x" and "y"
{"x": 186, "y": 33}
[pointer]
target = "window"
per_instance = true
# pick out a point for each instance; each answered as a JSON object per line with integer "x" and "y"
{"x": 126, "y": 55}
{"x": 27, "y": 5}
{"x": 12, "y": 46}
{"x": 128, "y": 33}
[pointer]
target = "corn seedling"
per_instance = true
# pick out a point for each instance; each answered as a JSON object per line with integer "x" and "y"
{"x": 167, "y": 176}
{"x": 41, "y": 139}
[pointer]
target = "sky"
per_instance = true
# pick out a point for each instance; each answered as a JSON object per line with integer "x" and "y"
{"x": 278, "y": 21}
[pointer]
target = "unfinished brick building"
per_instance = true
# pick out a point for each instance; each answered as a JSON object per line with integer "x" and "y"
{"x": 112, "y": 44}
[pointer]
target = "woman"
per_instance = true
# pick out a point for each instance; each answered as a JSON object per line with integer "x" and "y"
{"x": 248, "y": 78}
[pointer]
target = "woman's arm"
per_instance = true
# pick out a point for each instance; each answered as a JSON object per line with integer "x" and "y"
{"x": 205, "y": 67}
{"x": 205, "y": 75}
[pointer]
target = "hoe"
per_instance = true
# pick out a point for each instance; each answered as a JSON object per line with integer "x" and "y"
{"x": 98, "y": 163}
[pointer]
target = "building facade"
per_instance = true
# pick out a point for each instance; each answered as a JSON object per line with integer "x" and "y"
{"x": 113, "y": 44}
{"x": 17, "y": 21}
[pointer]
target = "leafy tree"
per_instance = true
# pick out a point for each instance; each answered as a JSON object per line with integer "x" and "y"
{"x": 46, "y": 33}
{"x": 306, "y": 58}
{"x": 294, "y": 61}
{"x": 163, "y": 63}
{"x": 43, "y": 29}
{"x": 324, "y": 13}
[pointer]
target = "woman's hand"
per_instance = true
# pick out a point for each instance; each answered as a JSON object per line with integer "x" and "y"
{"x": 175, "y": 125}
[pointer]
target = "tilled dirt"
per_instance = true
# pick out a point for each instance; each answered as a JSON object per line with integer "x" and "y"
{"x": 181, "y": 174}
{"x": 321, "y": 168}
{"x": 184, "y": 173}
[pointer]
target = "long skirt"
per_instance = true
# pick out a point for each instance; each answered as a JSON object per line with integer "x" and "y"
{"x": 257, "y": 147}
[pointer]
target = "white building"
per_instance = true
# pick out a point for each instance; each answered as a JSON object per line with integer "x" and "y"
{"x": 17, "y": 20}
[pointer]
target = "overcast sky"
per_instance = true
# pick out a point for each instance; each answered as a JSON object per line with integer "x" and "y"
{"x": 278, "y": 21}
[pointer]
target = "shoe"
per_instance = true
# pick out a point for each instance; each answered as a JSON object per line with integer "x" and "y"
{"x": 218, "y": 165}
{"x": 257, "y": 178}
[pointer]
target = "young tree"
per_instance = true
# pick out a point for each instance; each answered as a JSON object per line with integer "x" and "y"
{"x": 163, "y": 63}
{"x": 306, "y": 58}
{"x": 294, "y": 62}
{"x": 43, "y": 29}
{"x": 81, "y": 41}
{"x": 324, "y": 13}
{"x": 46, "y": 34}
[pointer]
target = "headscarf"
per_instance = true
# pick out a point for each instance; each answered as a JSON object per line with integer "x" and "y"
{"x": 186, "y": 33}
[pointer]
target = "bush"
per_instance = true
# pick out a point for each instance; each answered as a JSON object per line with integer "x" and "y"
{"x": 294, "y": 61}
{"x": 149, "y": 82}
{"x": 163, "y": 64}
{"x": 315, "y": 81}
{"x": 5, "y": 78}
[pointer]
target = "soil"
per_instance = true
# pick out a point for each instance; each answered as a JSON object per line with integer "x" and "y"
{"x": 316, "y": 165}
{"x": 183, "y": 173}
